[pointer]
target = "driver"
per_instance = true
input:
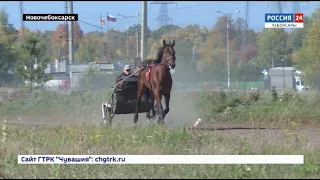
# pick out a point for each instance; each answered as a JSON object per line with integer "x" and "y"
{"x": 126, "y": 72}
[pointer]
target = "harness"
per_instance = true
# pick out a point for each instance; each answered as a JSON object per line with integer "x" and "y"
{"x": 150, "y": 66}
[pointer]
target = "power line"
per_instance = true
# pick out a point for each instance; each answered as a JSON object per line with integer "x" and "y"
{"x": 103, "y": 28}
{"x": 210, "y": 33}
{"x": 295, "y": 6}
{"x": 247, "y": 15}
{"x": 163, "y": 18}
{"x": 190, "y": 36}
{"x": 277, "y": 6}
{"x": 201, "y": 10}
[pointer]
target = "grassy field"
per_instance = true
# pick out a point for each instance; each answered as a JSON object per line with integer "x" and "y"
{"x": 288, "y": 110}
{"x": 264, "y": 107}
{"x": 45, "y": 103}
{"x": 96, "y": 140}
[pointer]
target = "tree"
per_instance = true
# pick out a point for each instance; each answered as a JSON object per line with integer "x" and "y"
{"x": 21, "y": 33}
{"x": 47, "y": 37}
{"x": 61, "y": 36}
{"x": 31, "y": 51}
{"x": 7, "y": 58}
{"x": 164, "y": 30}
{"x": 271, "y": 45}
{"x": 308, "y": 58}
{"x": 247, "y": 53}
{"x": 221, "y": 26}
{"x": 116, "y": 45}
{"x": 295, "y": 38}
{"x": 136, "y": 27}
{"x": 240, "y": 31}
{"x": 89, "y": 49}
{"x": 247, "y": 72}
{"x": 214, "y": 50}
{"x": 8, "y": 36}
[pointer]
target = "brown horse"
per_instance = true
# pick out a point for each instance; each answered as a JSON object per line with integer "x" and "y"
{"x": 159, "y": 81}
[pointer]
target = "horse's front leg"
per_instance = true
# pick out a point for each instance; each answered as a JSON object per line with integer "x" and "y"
{"x": 157, "y": 97}
{"x": 167, "y": 101}
{"x": 152, "y": 111}
{"x": 139, "y": 94}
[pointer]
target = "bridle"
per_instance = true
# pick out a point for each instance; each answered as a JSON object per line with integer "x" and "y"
{"x": 166, "y": 62}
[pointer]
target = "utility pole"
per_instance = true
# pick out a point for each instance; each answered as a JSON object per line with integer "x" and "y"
{"x": 21, "y": 15}
{"x": 277, "y": 6}
{"x": 101, "y": 45}
{"x": 60, "y": 37}
{"x": 144, "y": 30}
{"x": 66, "y": 30}
{"x": 284, "y": 77}
{"x": 66, "y": 7}
{"x": 272, "y": 62}
{"x": 228, "y": 46}
{"x": 193, "y": 53}
{"x": 247, "y": 10}
{"x": 295, "y": 6}
{"x": 71, "y": 34}
{"x": 128, "y": 43}
{"x": 228, "y": 52}
{"x": 108, "y": 44}
{"x": 137, "y": 39}
{"x": 193, "y": 49}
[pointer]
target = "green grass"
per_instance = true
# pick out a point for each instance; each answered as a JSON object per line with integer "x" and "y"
{"x": 259, "y": 106}
{"x": 245, "y": 106}
{"x": 244, "y": 85}
{"x": 46, "y": 102}
{"x": 97, "y": 140}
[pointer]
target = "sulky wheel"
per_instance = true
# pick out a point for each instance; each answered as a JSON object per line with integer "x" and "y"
{"x": 151, "y": 115}
{"x": 110, "y": 108}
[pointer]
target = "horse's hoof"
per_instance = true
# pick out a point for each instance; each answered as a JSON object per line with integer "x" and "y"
{"x": 135, "y": 119}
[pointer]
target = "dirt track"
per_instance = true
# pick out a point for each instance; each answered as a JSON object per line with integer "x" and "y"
{"x": 182, "y": 113}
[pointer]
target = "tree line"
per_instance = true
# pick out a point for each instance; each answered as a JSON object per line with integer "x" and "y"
{"x": 201, "y": 52}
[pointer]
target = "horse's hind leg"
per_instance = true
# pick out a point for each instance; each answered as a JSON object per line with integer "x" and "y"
{"x": 153, "y": 111}
{"x": 167, "y": 101}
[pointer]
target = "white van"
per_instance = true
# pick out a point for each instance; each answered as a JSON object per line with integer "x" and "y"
{"x": 299, "y": 83}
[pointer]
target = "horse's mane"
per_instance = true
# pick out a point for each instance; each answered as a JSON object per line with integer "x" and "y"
{"x": 154, "y": 61}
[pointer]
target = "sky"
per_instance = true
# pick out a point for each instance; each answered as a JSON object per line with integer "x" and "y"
{"x": 182, "y": 13}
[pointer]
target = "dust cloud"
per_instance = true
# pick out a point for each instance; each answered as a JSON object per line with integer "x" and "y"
{"x": 182, "y": 112}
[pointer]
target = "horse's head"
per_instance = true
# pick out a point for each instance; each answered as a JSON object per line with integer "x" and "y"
{"x": 169, "y": 54}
